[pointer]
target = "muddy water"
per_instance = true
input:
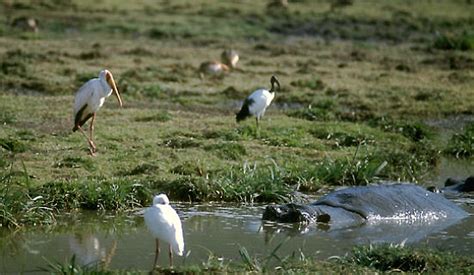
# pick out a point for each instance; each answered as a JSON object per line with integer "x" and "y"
{"x": 125, "y": 243}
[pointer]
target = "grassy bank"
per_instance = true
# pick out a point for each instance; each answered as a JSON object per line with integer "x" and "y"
{"x": 358, "y": 84}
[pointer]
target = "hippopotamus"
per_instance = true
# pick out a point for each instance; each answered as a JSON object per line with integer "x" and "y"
{"x": 358, "y": 205}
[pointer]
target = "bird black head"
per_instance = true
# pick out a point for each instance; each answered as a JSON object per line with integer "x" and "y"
{"x": 274, "y": 80}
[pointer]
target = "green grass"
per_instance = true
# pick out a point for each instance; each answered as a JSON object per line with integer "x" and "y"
{"x": 462, "y": 42}
{"x": 373, "y": 259}
{"x": 461, "y": 145}
{"x": 386, "y": 258}
{"x": 356, "y": 91}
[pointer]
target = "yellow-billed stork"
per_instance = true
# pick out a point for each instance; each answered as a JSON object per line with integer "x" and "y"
{"x": 89, "y": 98}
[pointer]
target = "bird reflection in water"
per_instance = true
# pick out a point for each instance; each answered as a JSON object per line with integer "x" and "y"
{"x": 88, "y": 250}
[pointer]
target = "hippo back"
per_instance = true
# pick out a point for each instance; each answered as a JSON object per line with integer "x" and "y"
{"x": 394, "y": 201}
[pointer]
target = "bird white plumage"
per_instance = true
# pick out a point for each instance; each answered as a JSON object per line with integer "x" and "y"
{"x": 89, "y": 98}
{"x": 164, "y": 224}
{"x": 261, "y": 98}
{"x": 257, "y": 103}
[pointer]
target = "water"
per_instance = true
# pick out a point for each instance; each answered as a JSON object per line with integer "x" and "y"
{"x": 450, "y": 166}
{"x": 124, "y": 242}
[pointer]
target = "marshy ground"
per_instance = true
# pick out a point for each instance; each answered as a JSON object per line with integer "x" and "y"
{"x": 363, "y": 90}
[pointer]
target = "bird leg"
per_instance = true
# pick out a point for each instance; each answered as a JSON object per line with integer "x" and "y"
{"x": 91, "y": 132}
{"x": 171, "y": 255}
{"x": 257, "y": 128}
{"x": 157, "y": 253}
{"x": 91, "y": 144}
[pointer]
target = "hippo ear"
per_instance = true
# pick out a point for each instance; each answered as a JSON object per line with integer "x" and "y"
{"x": 469, "y": 184}
{"x": 324, "y": 218}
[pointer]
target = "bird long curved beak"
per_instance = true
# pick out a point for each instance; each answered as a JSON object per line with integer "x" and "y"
{"x": 111, "y": 81}
{"x": 274, "y": 80}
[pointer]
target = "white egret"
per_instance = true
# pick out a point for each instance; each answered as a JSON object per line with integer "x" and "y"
{"x": 89, "y": 98}
{"x": 257, "y": 102}
{"x": 164, "y": 224}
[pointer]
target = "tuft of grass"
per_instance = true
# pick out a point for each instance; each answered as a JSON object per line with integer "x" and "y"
{"x": 7, "y": 117}
{"x": 249, "y": 184}
{"x": 72, "y": 267}
{"x": 463, "y": 42}
{"x": 462, "y": 145}
{"x": 189, "y": 168}
{"x": 313, "y": 84}
{"x": 287, "y": 137}
{"x": 344, "y": 138}
{"x": 18, "y": 206}
{"x": 159, "y": 33}
{"x": 416, "y": 131}
{"x": 228, "y": 134}
{"x": 94, "y": 194}
{"x": 391, "y": 257}
{"x": 13, "y": 145}
{"x": 145, "y": 168}
{"x": 181, "y": 142}
{"x": 76, "y": 162}
{"x": 228, "y": 150}
{"x": 313, "y": 113}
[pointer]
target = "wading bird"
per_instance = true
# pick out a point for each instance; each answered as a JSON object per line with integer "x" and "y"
{"x": 230, "y": 57}
{"x": 164, "y": 224}
{"x": 213, "y": 68}
{"x": 257, "y": 102}
{"x": 89, "y": 98}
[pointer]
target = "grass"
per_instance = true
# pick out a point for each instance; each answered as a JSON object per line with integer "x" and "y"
{"x": 373, "y": 259}
{"x": 388, "y": 258}
{"x": 355, "y": 93}
{"x": 18, "y": 205}
{"x": 462, "y": 42}
{"x": 461, "y": 145}
{"x": 358, "y": 85}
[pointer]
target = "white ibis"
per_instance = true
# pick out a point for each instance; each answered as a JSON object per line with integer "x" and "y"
{"x": 257, "y": 102}
{"x": 230, "y": 58}
{"x": 164, "y": 224}
{"x": 89, "y": 98}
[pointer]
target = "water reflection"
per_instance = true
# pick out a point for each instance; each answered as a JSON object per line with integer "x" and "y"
{"x": 88, "y": 250}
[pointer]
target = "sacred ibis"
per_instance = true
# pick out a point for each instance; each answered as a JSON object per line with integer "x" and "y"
{"x": 257, "y": 102}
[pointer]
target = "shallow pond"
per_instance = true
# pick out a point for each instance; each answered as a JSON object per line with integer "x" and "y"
{"x": 123, "y": 242}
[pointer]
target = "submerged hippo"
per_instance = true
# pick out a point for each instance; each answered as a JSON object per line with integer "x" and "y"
{"x": 459, "y": 185}
{"x": 357, "y": 205}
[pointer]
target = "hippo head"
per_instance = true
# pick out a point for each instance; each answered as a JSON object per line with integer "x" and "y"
{"x": 293, "y": 213}
{"x": 459, "y": 185}
{"x": 287, "y": 213}
{"x": 468, "y": 185}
